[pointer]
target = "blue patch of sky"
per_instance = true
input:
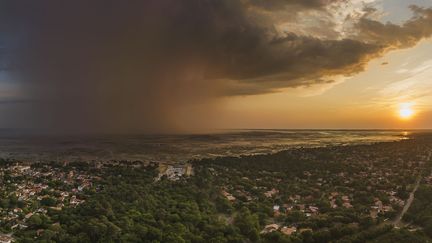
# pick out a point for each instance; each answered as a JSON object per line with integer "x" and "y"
{"x": 397, "y": 11}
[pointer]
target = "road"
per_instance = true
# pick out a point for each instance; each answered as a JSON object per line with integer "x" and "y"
{"x": 398, "y": 221}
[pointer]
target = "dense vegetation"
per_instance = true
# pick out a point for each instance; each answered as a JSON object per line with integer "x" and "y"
{"x": 128, "y": 205}
{"x": 420, "y": 212}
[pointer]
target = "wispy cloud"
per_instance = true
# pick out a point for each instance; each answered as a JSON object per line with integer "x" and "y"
{"x": 415, "y": 88}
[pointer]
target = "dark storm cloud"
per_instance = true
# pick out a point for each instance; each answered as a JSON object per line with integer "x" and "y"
{"x": 117, "y": 66}
{"x": 295, "y": 61}
{"x": 3, "y": 59}
{"x": 280, "y": 4}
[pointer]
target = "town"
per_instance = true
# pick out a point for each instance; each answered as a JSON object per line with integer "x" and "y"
{"x": 338, "y": 188}
{"x": 336, "y": 193}
{"x": 29, "y": 191}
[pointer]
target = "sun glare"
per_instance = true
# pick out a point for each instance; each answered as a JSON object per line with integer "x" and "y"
{"x": 406, "y": 111}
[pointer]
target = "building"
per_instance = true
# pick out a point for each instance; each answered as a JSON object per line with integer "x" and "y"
{"x": 288, "y": 230}
{"x": 270, "y": 228}
{"x": 6, "y": 238}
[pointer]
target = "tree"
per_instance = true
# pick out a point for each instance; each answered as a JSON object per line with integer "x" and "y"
{"x": 248, "y": 224}
{"x": 48, "y": 201}
{"x": 35, "y": 221}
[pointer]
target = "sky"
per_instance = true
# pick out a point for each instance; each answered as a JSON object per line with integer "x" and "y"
{"x": 153, "y": 66}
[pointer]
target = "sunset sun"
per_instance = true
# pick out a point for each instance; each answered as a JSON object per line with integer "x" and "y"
{"x": 406, "y": 111}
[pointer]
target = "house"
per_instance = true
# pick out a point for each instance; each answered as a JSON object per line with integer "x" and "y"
{"x": 17, "y": 210}
{"x": 39, "y": 232}
{"x": 270, "y": 228}
{"x": 174, "y": 172}
{"x": 276, "y": 212}
{"x": 313, "y": 209}
{"x": 271, "y": 193}
{"x": 379, "y": 204}
{"x": 288, "y": 208}
{"x": 333, "y": 203}
{"x": 6, "y": 238}
{"x": 301, "y": 207}
{"x": 189, "y": 170}
{"x": 374, "y": 213}
{"x": 75, "y": 201}
{"x": 305, "y": 229}
{"x": 347, "y": 205}
{"x": 19, "y": 226}
{"x": 288, "y": 230}
{"x": 27, "y": 216}
{"x": 228, "y": 196}
{"x": 41, "y": 210}
{"x": 387, "y": 208}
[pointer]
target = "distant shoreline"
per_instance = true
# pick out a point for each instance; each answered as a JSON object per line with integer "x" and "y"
{"x": 183, "y": 148}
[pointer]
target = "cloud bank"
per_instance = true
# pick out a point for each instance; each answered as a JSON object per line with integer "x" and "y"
{"x": 126, "y": 67}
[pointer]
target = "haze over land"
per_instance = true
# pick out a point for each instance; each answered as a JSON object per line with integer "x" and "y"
{"x": 179, "y": 148}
